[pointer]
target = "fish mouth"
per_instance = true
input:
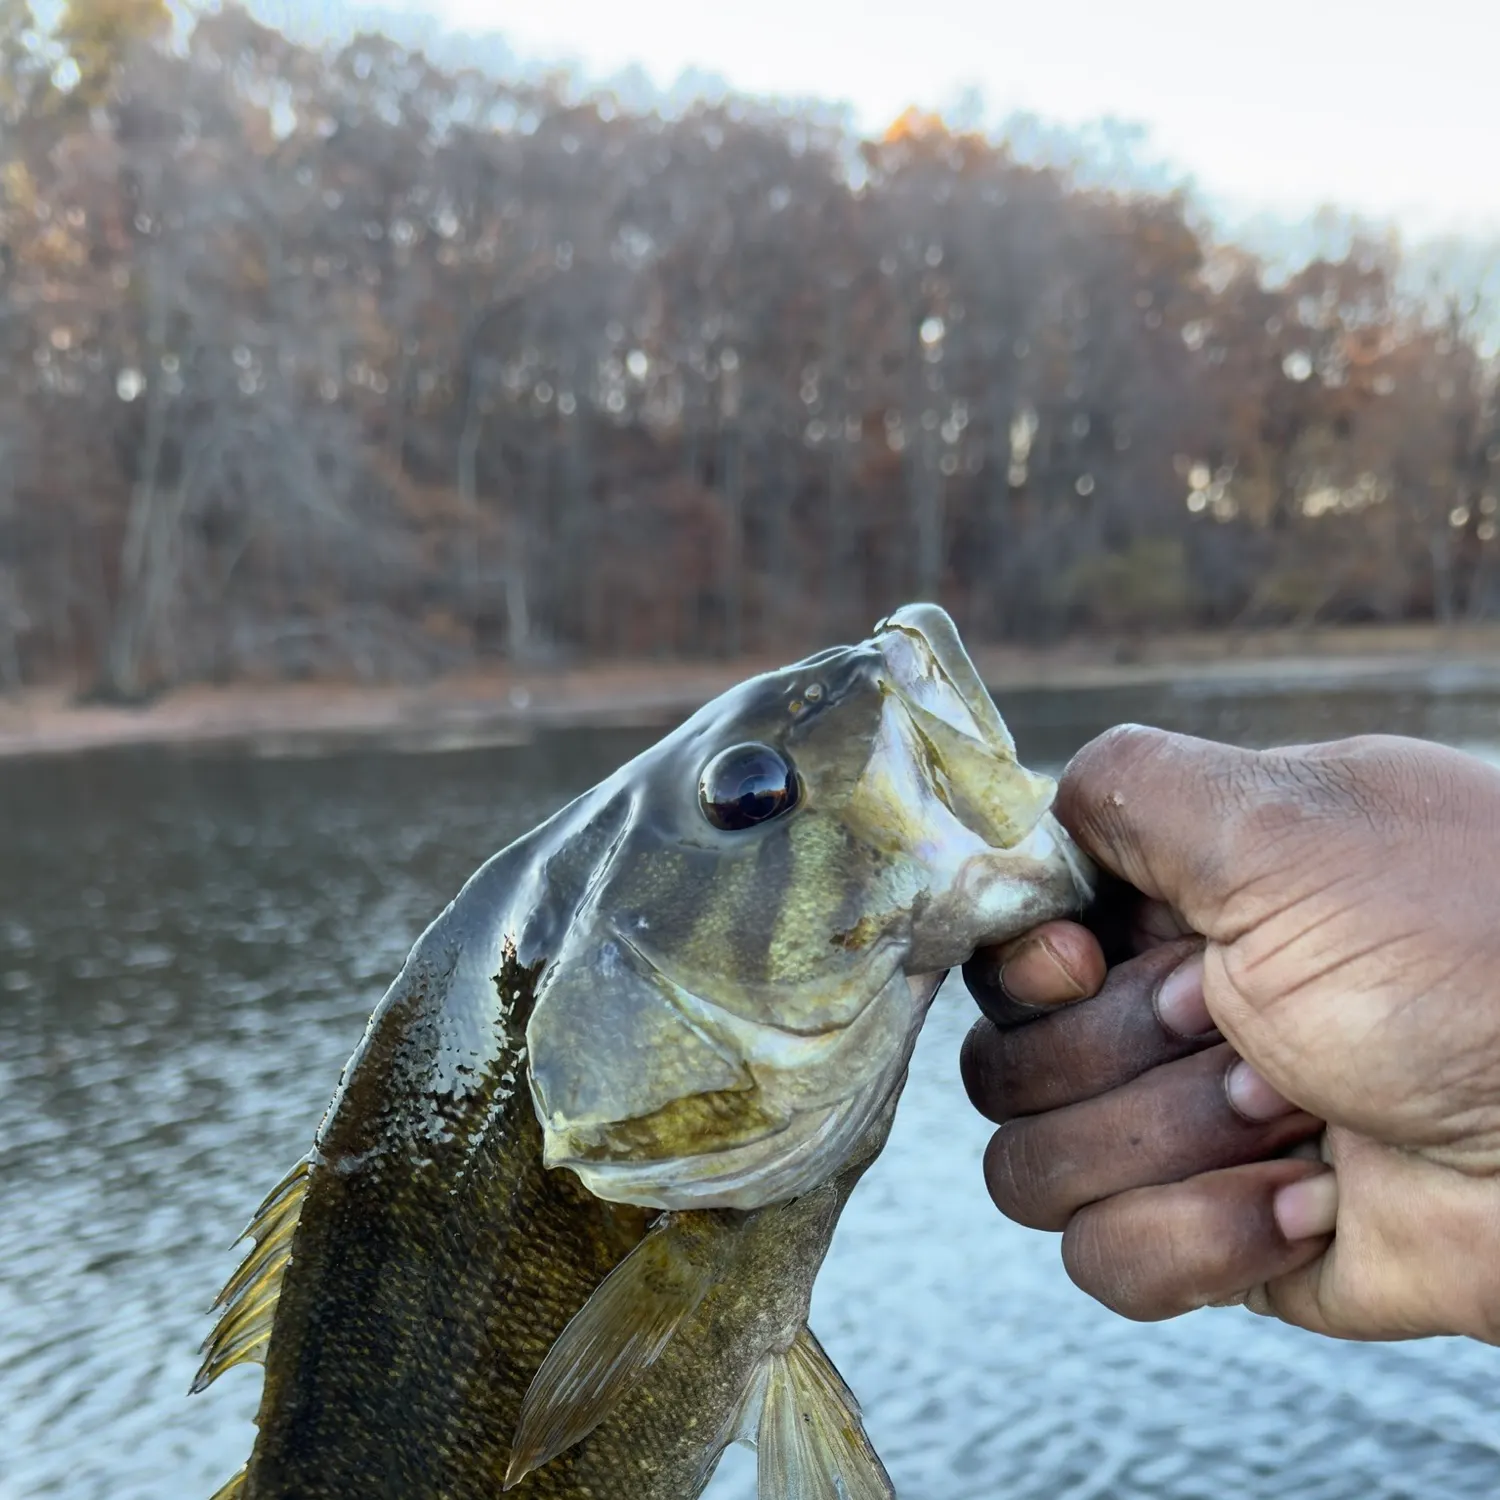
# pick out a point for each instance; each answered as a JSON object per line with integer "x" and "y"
{"x": 1010, "y": 863}
{"x": 931, "y": 671}
{"x": 951, "y": 727}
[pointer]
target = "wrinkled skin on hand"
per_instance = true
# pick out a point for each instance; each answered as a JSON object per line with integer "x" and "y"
{"x": 1300, "y": 936}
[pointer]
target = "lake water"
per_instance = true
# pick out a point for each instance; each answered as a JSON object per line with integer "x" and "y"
{"x": 189, "y": 946}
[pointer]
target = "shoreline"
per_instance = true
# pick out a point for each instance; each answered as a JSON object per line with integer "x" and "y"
{"x": 507, "y": 706}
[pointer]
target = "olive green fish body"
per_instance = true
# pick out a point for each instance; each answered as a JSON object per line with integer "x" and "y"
{"x": 428, "y": 1278}
{"x": 426, "y": 1286}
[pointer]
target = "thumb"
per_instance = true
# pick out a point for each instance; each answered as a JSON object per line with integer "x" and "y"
{"x": 1178, "y": 818}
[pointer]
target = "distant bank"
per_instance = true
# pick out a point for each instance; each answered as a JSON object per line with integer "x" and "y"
{"x": 505, "y": 705}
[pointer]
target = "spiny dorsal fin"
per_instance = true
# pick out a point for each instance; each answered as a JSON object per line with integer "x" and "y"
{"x": 232, "y": 1490}
{"x": 811, "y": 1443}
{"x": 248, "y": 1301}
{"x": 617, "y": 1335}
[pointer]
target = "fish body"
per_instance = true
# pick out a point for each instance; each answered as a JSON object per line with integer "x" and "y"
{"x": 560, "y": 1225}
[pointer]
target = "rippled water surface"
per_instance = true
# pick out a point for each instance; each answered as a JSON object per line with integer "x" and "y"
{"x": 189, "y": 946}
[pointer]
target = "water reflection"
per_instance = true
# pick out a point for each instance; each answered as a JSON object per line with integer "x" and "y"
{"x": 189, "y": 947}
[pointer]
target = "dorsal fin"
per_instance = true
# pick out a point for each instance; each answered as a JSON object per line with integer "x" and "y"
{"x": 810, "y": 1443}
{"x": 248, "y": 1301}
{"x": 617, "y": 1335}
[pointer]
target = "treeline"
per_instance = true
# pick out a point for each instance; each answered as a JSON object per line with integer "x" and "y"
{"x": 344, "y": 363}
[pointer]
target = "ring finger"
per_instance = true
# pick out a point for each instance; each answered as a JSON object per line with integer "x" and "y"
{"x": 1194, "y": 1115}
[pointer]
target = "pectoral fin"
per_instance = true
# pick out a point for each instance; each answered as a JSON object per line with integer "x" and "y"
{"x": 811, "y": 1443}
{"x": 617, "y": 1335}
{"x": 249, "y": 1299}
{"x": 233, "y": 1489}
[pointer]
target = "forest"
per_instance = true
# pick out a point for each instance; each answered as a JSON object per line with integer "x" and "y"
{"x": 338, "y": 363}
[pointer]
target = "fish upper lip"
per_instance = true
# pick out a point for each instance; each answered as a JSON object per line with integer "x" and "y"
{"x": 944, "y": 665}
{"x": 956, "y": 731}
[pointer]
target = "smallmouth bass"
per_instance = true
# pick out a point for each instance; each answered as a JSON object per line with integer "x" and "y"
{"x": 560, "y": 1225}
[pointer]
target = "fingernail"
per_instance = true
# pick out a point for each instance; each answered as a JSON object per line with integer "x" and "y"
{"x": 1307, "y": 1208}
{"x": 1252, "y": 1096}
{"x": 1030, "y": 953}
{"x": 1179, "y": 1000}
{"x": 1000, "y": 979}
{"x": 1055, "y": 959}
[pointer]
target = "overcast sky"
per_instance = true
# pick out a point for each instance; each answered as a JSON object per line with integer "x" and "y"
{"x": 1388, "y": 109}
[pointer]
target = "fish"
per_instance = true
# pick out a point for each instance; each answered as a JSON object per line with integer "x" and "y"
{"x": 557, "y": 1232}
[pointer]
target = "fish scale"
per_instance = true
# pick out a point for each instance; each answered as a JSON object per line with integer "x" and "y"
{"x": 453, "y": 1385}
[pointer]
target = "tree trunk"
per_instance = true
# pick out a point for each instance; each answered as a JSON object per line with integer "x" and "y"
{"x": 129, "y": 642}
{"x": 731, "y": 580}
{"x": 1482, "y": 584}
{"x": 467, "y": 478}
{"x": 525, "y": 553}
{"x": 781, "y": 592}
{"x": 924, "y": 483}
{"x": 401, "y": 394}
{"x": 927, "y": 503}
{"x": 575, "y": 541}
{"x": 1439, "y": 545}
{"x": 11, "y": 616}
{"x": 842, "y": 595}
{"x": 10, "y": 621}
{"x": 838, "y": 589}
{"x": 473, "y": 401}
{"x": 517, "y": 610}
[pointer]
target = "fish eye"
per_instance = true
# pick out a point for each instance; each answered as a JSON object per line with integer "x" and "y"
{"x": 746, "y": 785}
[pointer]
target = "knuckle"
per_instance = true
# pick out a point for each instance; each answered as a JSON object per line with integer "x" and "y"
{"x": 1122, "y": 742}
{"x": 1083, "y": 800}
{"x": 1370, "y": 778}
{"x": 1125, "y": 1254}
{"x": 1262, "y": 801}
{"x": 1159, "y": 1252}
{"x": 978, "y": 1070}
{"x": 1104, "y": 1257}
{"x": 1021, "y": 1178}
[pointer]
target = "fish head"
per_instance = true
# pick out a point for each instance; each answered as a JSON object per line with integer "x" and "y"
{"x": 738, "y": 992}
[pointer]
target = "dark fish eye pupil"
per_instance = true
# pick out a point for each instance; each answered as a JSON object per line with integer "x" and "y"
{"x": 745, "y": 786}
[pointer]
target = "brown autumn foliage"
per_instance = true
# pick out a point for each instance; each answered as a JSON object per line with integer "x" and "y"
{"x": 338, "y": 362}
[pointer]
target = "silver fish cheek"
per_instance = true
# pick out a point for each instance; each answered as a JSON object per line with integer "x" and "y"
{"x": 815, "y": 1147}
{"x": 811, "y": 1095}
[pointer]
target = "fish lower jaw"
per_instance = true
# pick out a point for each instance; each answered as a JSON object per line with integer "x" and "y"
{"x": 998, "y": 894}
{"x": 770, "y": 1170}
{"x": 814, "y": 1146}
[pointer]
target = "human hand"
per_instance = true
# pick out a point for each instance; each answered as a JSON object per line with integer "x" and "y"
{"x": 1330, "y": 915}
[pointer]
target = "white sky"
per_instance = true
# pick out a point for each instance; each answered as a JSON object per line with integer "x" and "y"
{"x": 1387, "y": 109}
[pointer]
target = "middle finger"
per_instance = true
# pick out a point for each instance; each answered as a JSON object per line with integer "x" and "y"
{"x": 1075, "y": 1052}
